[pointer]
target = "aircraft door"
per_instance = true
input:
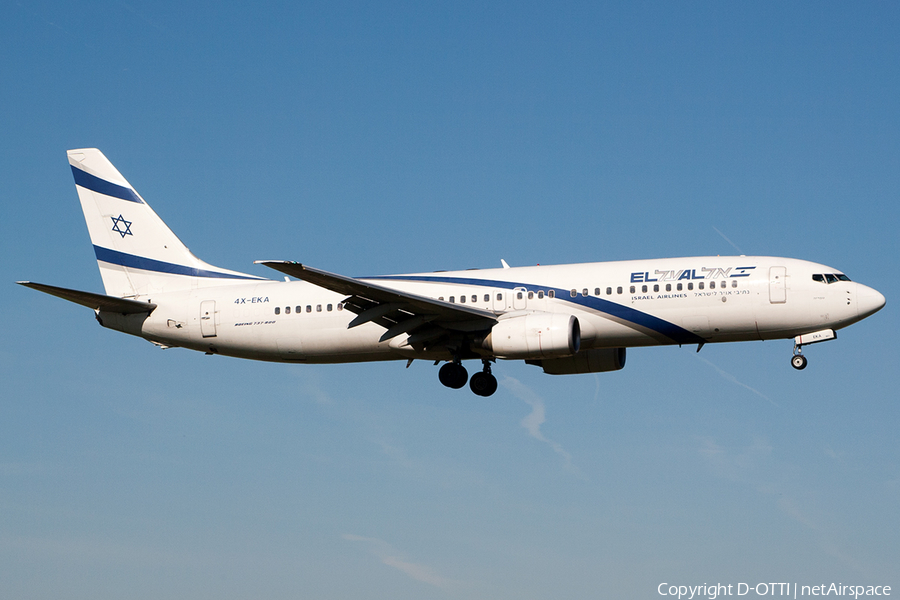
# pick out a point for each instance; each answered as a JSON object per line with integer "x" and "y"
{"x": 208, "y": 318}
{"x": 777, "y": 289}
{"x": 520, "y": 300}
{"x": 498, "y": 298}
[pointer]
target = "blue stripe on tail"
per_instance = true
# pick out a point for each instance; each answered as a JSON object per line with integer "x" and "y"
{"x": 101, "y": 186}
{"x": 122, "y": 259}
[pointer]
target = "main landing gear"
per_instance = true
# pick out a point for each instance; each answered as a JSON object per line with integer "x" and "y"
{"x": 454, "y": 375}
{"x": 483, "y": 383}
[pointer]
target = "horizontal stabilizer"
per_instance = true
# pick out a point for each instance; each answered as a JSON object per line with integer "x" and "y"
{"x": 91, "y": 300}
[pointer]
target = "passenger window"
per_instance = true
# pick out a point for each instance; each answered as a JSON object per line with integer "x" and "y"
{"x": 668, "y": 287}
{"x": 584, "y": 292}
{"x": 298, "y": 309}
{"x": 441, "y": 298}
{"x": 712, "y": 285}
{"x": 619, "y": 290}
{"x": 596, "y": 291}
{"x": 551, "y": 294}
{"x": 499, "y": 295}
{"x": 700, "y": 285}
{"x": 318, "y": 308}
{"x": 309, "y": 308}
{"x": 328, "y": 308}
{"x": 287, "y": 310}
{"x": 631, "y": 290}
{"x": 487, "y": 297}
{"x": 655, "y": 287}
{"x": 609, "y": 291}
{"x": 679, "y": 287}
{"x": 474, "y": 298}
{"x": 530, "y": 295}
{"x": 340, "y": 306}
{"x": 573, "y": 293}
{"x": 453, "y": 299}
{"x": 462, "y": 299}
{"x": 643, "y": 289}
{"x": 540, "y": 294}
{"x": 734, "y": 283}
{"x": 277, "y": 310}
{"x": 690, "y": 285}
{"x": 518, "y": 295}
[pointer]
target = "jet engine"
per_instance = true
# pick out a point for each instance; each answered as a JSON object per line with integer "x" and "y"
{"x": 535, "y": 336}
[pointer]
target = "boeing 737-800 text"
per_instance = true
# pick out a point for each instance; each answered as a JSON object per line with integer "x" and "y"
{"x": 567, "y": 319}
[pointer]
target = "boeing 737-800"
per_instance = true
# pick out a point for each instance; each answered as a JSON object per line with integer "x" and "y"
{"x": 567, "y": 319}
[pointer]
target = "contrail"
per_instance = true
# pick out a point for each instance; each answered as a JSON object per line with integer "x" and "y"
{"x": 533, "y": 421}
{"x": 390, "y": 557}
{"x": 729, "y": 241}
{"x": 728, "y": 376}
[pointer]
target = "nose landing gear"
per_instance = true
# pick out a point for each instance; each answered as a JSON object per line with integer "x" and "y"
{"x": 798, "y": 361}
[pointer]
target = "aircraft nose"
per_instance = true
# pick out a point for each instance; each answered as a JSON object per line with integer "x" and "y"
{"x": 868, "y": 301}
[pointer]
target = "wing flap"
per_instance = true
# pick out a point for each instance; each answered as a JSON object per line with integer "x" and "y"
{"x": 92, "y": 300}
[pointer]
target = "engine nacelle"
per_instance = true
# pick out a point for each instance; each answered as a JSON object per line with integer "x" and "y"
{"x": 534, "y": 336}
{"x": 589, "y": 361}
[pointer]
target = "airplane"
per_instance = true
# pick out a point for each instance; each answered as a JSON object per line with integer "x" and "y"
{"x": 566, "y": 319}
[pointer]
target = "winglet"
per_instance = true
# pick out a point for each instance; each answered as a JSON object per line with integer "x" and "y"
{"x": 503, "y": 262}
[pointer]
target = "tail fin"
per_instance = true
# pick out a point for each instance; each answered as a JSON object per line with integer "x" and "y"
{"x": 136, "y": 252}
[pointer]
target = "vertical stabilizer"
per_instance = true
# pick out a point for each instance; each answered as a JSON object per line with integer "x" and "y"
{"x": 136, "y": 252}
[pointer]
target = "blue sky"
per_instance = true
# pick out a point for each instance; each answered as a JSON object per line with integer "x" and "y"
{"x": 371, "y": 139}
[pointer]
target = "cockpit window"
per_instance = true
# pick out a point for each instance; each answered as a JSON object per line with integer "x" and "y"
{"x": 830, "y": 277}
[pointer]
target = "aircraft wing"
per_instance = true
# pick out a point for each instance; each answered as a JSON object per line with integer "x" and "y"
{"x": 92, "y": 300}
{"x": 399, "y": 312}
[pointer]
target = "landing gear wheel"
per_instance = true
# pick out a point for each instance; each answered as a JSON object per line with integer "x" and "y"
{"x": 483, "y": 384}
{"x": 453, "y": 375}
{"x": 798, "y": 362}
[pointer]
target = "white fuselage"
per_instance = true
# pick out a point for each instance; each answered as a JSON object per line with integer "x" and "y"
{"x": 617, "y": 304}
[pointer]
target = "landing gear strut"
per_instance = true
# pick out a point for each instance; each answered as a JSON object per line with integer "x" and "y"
{"x": 483, "y": 383}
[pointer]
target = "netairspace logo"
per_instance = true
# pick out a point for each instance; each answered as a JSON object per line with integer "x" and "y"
{"x": 770, "y": 589}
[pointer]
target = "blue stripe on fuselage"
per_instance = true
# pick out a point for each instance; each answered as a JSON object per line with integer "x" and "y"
{"x": 613, "y": 309}
{"x": 148, "y": 264}
{"x": 101, "y": 186}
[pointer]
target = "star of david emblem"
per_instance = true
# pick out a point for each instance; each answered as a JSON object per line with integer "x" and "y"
{"x": 117, "y": 222}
